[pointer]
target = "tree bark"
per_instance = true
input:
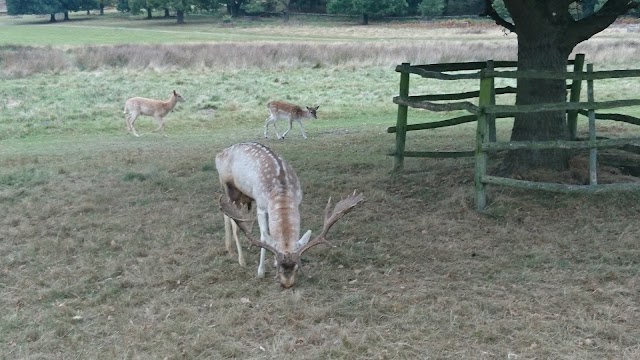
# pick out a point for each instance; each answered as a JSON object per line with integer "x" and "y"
{"x": 541, "y": 46}
{"x": 66, "y": 16}
{"x": 101, "y": 8}
{"x": 180, "y": 16}
{"x": 166, "y": 13}
{"x": 52, "y": 18}
{"x": 234, "y": 8}
{"x": 365, "y": 19}
{"x": 547, "y": 33}
{"x": 149, "y": 13}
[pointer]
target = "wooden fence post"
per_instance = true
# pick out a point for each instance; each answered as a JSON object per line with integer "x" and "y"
{"x": 576, "y": 87}
{"x": 401, "y": 124}
{"x": 482, "y": 136}
{"x": 593, "y": 151}
{"x": 491, "y": 118}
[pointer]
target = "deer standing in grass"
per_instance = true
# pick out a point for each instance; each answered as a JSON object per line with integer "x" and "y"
{"x": 252, "y": 172}
{"x": 137, "y": 106}
{"x": 290, "y": 112}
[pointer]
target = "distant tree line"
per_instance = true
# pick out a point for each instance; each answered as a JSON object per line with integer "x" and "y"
{"x": 364, "y": 9}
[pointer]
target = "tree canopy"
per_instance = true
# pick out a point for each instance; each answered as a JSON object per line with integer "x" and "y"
{"x": 367, "y": 8}
{"x": 42, "y": 7}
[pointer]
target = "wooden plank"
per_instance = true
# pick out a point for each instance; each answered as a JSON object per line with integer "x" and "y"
{"x": 610, "y": 116}
{"x": 437, "y": 154}
{"x": 444, "y": 123}
{"x": 497, "y": 109}
{"x": 593, "y": 152}
{"x": 534, "y": 74}
{"x": 401, "y": 124}
{"x": 574, "y": 97}
{"x": 438, "y": 75}
{"x": 560, "y": 188}
{"x": 462, "y": 95}
{"x": 437, "y": 124}
{"x": 482, "y": 137}
{"x": 474, "y": 65}
{"x": 461, "y": 105}
{"x": 559, "y": 144}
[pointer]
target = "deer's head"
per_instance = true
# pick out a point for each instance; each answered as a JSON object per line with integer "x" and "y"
{"x": 288, "y": 263}
{"x": 312, "y": 111}
{"x": 178, "y": 97}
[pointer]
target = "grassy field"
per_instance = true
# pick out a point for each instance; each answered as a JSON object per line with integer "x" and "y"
{"x": 112, "y": 246}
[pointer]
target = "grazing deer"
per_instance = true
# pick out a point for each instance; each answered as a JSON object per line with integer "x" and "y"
{"x": 252, "y": 172}
{"x": 137, "y": 106}
{"x": 286, "y": 111}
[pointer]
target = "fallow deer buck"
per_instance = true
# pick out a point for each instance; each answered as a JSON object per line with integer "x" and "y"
{"x": 252, "y": 172}
{"x": 290, "y": 112}
{"x": 137, "y": 106}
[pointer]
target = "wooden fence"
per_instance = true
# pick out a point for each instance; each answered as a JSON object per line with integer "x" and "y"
{"x": 486, "y": 112}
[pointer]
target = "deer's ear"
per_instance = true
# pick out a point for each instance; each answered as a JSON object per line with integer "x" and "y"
{"x": 175, "y": 93}
{"x": 317, "y": 106}
{"x": 304, "y": 239}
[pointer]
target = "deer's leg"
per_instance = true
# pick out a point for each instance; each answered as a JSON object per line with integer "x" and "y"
{"x": 132, "y": 119}
{"x": 285, "y": 133}
{"x": 275, "y": 129}
{"x": 266, "y": 126}
{"x": 264, "y": 235}
{"x": 126, "y": 123}
{"x": 227, "y": 233}
{"x": 304, "y": 135}
{"x": 160, "y": 122}
{"x": 241, "y": 259}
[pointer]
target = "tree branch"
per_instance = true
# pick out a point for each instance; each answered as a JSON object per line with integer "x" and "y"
{"x": 585, "y": 28}
{"x": 489, "y": 11}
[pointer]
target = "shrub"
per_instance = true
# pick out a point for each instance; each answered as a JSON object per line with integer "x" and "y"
{"x": 432, "y": 7}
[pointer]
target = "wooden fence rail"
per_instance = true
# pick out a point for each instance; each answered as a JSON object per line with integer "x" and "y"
{"x": 486, "y": 111}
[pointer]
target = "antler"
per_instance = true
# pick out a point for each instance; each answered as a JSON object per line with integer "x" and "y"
{"x": 330, "y": 218}
{"x": 234, "y": 213}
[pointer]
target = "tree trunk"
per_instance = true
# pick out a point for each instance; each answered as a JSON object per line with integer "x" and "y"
{"x": 180, "y": 16}
{"x": 539, "y": 126}
{"x": 52, "y": 18}
{"x": 547, "y": 33}
{"x": 541, "y": 46}
{"x": 166, "y": 13}
{"x": 88, "y": 12}
{"x": 365, "y": 19}
{"x": 285, "y": 12}
{"x": 101, "y": 8}
{"x": 66, "y": 16}
{"x": 235, "y": 9}
{"x": 149, "y": 13}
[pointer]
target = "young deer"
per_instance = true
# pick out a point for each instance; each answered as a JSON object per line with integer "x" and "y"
{"x": 137, "y": 106}
{"x": 286, "y": 111}
{"x": 251, "y": 172}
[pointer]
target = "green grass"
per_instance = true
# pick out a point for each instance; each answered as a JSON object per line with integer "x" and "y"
{"x": 112, "y": 246}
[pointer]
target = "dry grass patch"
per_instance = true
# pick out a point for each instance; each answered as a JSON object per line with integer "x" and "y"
{"x": 111, "y": 247}
{"x": 110, "y": 253}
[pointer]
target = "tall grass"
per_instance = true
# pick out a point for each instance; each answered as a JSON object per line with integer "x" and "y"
{"x": 18, "y": 61}
{"x": 378, "y": 47}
